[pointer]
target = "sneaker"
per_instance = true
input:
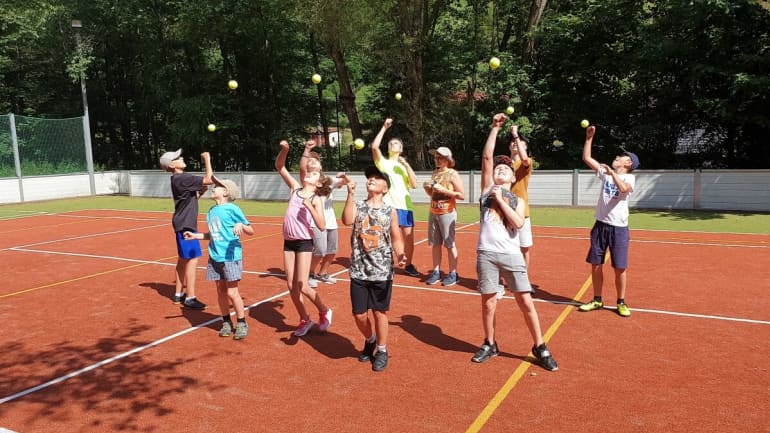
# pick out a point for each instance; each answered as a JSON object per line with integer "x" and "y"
{"x": 487, "y": 351}
{"x": 380, "y": 361}
{"x": 411, "y": 270}
{"x": 623, "y": 310}
{"x": 500, "y": 292}
{"x": 303, "y": 327}
{"x": 544, "y": 358}
{"x": 194, "y": 304}
{"x": 366, "y": 354}
{"x": 325, "y": 278}
{"x": 178, "y": 299}
{"x": 241, "y": 331}
{"x": 591, "y": 306}
{"x": 450, "y": 279}
{"x": 227, "y": 329}
{"x": 312, "y": 281}
{"x": 326, "y": 320}
{"x": 434, "y": 278}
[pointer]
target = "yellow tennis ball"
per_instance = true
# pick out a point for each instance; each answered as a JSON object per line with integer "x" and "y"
{"x": 398, "y": 96}
{"x": 316, "y": 78}
{"x": 494, "y": 63}
{"x": 584, "y": 123}
{"x": 359, "y": 144}
{"x": 211, "y": 127}
{"x": 232, "y": 84}
{"x": 509, "y": 110}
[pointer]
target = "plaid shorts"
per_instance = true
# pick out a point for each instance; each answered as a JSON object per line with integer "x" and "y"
{"x": 229, "y": 271}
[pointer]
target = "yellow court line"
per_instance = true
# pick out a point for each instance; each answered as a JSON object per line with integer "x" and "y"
{"x": 84, "y": 277}
{"x": 501, "y": 395}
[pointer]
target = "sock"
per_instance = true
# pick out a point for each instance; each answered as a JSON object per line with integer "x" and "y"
{"x": 372, "y": 339}
{"x": 598, "y": 298}
{"x": 621, "y": 301}
{"x": 226, "y": 319}
{"x": 242, "y": 320}
{"x": 190, "y": 298}
{"x": 382, "y": 349}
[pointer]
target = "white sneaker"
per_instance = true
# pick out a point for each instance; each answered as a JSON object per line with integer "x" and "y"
{"x": 326, "y": 279}
{"x": 312, "y": 282}
{"x": 326, "y": 320}
{"x": 303, "y": 327}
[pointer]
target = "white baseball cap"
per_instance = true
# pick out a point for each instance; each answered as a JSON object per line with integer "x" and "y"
{"x": 168, "y": 157}
{"x": 445, "y": 152}
{"x": 229, "y": 185}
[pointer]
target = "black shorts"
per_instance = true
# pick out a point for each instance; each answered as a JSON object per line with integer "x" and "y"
{"x": 370, "y": 295}
{"x": 298, "y": 245}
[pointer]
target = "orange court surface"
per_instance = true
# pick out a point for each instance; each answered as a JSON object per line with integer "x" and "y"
{"x": 91, "y": 341}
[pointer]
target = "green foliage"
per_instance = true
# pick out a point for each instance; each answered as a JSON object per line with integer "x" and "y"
{"x": 683, "y": 83}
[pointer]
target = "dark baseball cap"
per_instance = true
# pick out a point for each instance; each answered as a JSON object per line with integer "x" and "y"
{"x": 373, "y": 171}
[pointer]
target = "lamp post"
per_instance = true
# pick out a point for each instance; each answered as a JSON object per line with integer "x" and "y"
{"x": 77, "y": 25}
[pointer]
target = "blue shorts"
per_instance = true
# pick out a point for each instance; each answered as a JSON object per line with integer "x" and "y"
{"x": 405, "y": 218}
{"x": 606, "y": 237}
{"x": 187, "y": 249}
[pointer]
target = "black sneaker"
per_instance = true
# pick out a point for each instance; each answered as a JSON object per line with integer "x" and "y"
{"x": 380, "y": 361}
{"x": 411, "y": 270}
{"x": 178, "y": 299}
{"x": 544, "y": 358}
{"x": 194, "y": 304}
{"x": 366, "y": 354}
{"x": 487, "y": 351}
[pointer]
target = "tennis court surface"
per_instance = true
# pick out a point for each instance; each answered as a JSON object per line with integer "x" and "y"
{"x": 91, "y": 341}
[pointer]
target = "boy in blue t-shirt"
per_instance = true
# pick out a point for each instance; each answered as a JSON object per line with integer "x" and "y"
{"x": 226, "y": 223}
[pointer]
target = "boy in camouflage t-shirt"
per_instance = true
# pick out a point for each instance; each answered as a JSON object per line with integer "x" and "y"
{"x": 374, "y": 239}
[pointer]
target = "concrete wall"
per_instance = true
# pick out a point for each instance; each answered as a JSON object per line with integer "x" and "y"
{"x": 736, "y": 190}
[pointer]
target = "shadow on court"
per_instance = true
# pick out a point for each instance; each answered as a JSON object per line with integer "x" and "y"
{"x": 139, "y": 382}
{"x": 194, "y": 317}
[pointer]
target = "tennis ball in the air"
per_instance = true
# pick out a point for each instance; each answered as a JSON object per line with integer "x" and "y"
{"x": 509, "y": 110}
{"x": 359, "y": 144}
{"x": 398, "y": 96}
{"x": 232, "y": 84}
{"x": 494, "y": 63}
{"x": 584, "y": 123}
{"x": 211, "y": 127}
{"x": 316, "y": 78}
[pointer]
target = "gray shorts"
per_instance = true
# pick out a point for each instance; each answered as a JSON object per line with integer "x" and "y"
{"x": 324, "y": 242}
{"x": 228, "y": 271}
{"x": 441, "y": 229}
{"x": 491, "y": 266}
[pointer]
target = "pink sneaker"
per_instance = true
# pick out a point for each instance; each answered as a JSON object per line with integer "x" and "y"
{"x": 303, "y": 327}
{"x": 326, "y": 320}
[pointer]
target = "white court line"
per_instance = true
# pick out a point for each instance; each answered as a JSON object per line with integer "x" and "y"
{"x": 211, "y": 321}
{"x": 125, "y": 354}
{"x": 85, "y": 236}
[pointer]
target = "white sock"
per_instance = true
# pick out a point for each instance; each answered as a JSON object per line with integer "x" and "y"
{"x": 381, "y": 349}
{"x": 372, "y": 339}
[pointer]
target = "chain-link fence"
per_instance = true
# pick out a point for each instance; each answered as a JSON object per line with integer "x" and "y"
{"x": 32, "y": 146}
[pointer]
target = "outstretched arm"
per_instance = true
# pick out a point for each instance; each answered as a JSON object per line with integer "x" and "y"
{"x": 594, "y": 164}
{"x": 207, "y": 169}
{"x": 409, "y": 172}
{"x": 376, "y": 153}
{"x": 280, "y": 165}
{"x": 309, "y": 145}
{"x": 349, "y": 213}
{"x": 487, "y": 165}
{"x": 519, "y": 147}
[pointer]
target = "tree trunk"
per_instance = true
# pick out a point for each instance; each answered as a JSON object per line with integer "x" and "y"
{"x": 535, "y": 14}
{"x": 347, "y": 96}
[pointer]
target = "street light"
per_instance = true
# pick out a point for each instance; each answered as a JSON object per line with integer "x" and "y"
{"x": 77, "y": 25}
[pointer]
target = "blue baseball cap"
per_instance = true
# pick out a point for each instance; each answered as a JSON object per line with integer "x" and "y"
{"x": 634, "y": 160}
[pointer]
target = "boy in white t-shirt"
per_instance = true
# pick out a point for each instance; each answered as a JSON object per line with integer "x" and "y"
{"x": 610, "y": 231}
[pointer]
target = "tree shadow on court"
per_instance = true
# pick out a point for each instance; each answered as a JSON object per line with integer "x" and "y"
{"x": 119, "y": 391}
{"x": 163, "y": 289}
